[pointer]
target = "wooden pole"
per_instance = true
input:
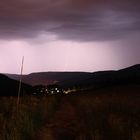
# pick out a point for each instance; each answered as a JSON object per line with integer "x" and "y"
{"x": 20, "y": 82}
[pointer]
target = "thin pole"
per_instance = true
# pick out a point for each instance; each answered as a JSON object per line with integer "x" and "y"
{"x": 19, "y": 89}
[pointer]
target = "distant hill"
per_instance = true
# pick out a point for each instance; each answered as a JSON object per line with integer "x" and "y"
{"x": 45, "y": 78}
{"x": 83, "y": 79}
{"x": 9, "y": 87}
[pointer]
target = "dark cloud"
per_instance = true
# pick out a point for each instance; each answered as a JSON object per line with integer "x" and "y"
{"x": 70, "y": 19}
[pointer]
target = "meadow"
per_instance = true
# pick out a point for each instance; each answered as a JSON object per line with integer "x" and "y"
{"x": 23, "y": 122}
{"x": 105, "y": 114}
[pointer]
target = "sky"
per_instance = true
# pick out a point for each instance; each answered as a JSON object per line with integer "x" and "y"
{"x": 69, "y": 35}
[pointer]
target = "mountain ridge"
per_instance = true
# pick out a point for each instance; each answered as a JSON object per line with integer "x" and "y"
{"x": 81, "y": 78}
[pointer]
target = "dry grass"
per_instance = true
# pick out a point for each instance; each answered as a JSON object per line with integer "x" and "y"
{"x": 106, "y": 114}
{"x": 24, "y": 123}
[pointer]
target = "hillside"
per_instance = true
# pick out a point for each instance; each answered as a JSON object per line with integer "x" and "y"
{"x": 44, "y": 78}
{"x": 83, "y": 79}
{"x": 9, "y": 87}
{"x": 110, "y": 113}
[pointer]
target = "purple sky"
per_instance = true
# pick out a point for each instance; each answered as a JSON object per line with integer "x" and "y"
{"x": 69, "y": 35}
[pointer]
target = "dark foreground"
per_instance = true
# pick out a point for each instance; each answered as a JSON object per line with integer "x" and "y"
{"x": 104, "y": 114}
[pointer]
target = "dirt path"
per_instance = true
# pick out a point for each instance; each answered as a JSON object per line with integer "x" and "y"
{"x": 63, "y": 125}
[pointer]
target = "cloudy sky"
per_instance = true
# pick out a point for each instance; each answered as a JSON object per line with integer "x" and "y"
{"x": 69, "y": 35}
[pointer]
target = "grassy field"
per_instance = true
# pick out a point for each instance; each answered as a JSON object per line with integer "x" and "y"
{"x": 23, "y": 122}
{"x": 104, "y": 114}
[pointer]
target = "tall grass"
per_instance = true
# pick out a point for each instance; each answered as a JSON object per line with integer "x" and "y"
{"x": 24, "y": 122}
{"x": 108, "y": 114}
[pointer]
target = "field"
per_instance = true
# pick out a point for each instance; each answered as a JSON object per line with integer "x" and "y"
{"x": 24, "y": 121}
{"x": 104, "y": 114}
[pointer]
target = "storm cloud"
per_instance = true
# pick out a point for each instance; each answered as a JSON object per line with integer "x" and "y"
{"x": 80, "y": 20}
